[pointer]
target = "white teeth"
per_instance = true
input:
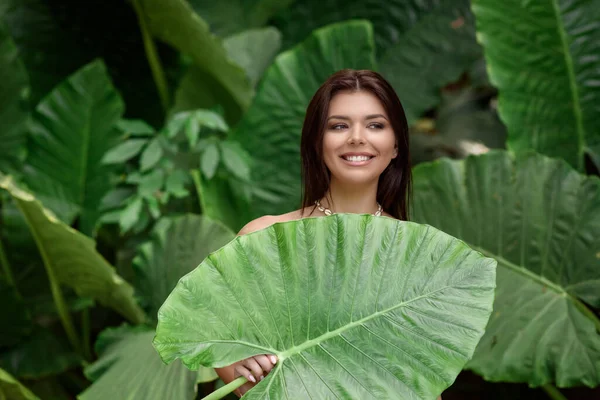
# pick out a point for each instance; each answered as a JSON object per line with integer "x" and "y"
{"x": 357, "y": 158}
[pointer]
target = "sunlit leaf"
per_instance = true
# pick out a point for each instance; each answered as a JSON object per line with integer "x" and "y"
{"x": 354, "y": 306}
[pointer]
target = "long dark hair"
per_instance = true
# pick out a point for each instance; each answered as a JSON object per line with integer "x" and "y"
{"x": 394, "y": 187}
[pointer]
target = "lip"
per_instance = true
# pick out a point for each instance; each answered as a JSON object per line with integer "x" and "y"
{"x": 357, "y": 163}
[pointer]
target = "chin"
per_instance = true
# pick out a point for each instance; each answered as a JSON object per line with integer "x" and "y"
{"x": 356, "y": 177}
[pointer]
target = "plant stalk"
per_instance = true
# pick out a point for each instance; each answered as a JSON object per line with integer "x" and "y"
{"x": 225, "y": 390}
{"x": 198, "y": 185}
{"x": 6, "y": 266}
{"x": 553, "y": 392}
{"x": 57, "y": 295}
{"x": 152, "y": 56}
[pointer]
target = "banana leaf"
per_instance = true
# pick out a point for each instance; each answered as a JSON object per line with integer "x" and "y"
{"x": 354, "y": 307}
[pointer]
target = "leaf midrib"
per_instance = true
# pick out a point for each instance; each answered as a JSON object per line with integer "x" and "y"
{"x": 328, "y": 335}
{"x": 541, "y": 280}
{"x": 572, "y": 83}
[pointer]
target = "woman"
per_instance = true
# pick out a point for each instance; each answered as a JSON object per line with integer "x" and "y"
{"x": 355, "y": 159}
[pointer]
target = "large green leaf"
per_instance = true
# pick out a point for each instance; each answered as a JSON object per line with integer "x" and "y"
{"x": 71, "y": 258}
{"x": 128, "y": 367}
{"x": 176, "y": 23}
{"x": 543, "y": 57}
{"x": 270, "y": 130}
{"x": 227, "y": 17}
{"x": 41, "y": 355}
{"x": 354, "y": 306}
{"x": 541, "y": 221}
{"x": 14, "y": 90}
{"x": 11, "y": 389}
{"x": 73, "y": 128}
{"x": 253, "y": 50}
{"x": 433, "y": 52}
{"x": 178, "y": 245}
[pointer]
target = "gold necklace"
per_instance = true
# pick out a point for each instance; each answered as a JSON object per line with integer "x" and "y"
{"x": 327, "y": 211}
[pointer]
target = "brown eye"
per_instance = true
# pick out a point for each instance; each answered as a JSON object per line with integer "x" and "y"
{"x": 376, "y": 125}
{"x": 337, "y": 127}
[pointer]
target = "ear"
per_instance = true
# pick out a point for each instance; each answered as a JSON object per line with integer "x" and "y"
{"x": 395, "y": 154}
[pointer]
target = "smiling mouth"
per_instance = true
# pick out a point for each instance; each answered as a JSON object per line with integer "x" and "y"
{"x": 360, "y": 158}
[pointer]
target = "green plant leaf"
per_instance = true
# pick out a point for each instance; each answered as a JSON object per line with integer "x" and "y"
{"x": 354, "y": 306}
{"x": 176, "y": 23}
{"x": 192, "y": 130}
{"x": 10, "y": 388}
{"x": 224, "y": 199}
{"x": 210, "y": 119}
{"x": 270, "y": 130}
{"x": 151, "y": 183}
{"x": 176, "y": 182}
{"x": 135, "y": 127}
{"x": 254, "y": 50}
{"x": 14, "y": 92}
{"x": 433, "y": 52}
{"x": 72, "y": 130}
{"x": 71, "y": 257}
{"x": 543, "y": 59}
{"x": 540, "y": 220}
{"x": 178, "y": 245}
{"x": 131, "y": 214}
{"x": 227, "y": 17}
{"x": 124, "y": 151}
{"x": 128, "y": 367}
{"x": 235, "y": 159}
{"x": 39, "y": 356}
{"x": 151, "y": 155}
{"x": 209, "y": 160}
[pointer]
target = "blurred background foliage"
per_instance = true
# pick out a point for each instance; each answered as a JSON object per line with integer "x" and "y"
{"x": 138, "y": 136}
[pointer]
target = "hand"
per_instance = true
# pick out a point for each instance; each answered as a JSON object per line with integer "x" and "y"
{"x": 254, "y": 369}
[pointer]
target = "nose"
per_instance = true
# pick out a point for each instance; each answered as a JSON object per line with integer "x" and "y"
{"x": 356, "y": 136}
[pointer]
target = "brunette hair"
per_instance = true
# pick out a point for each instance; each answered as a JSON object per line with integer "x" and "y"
{"x": 394, "y": 187}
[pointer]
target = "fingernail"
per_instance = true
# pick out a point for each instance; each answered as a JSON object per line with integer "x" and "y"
{"x": 262, "y": 377}
{"x": 274, "y": 359}
{"x": 251, "y": 379}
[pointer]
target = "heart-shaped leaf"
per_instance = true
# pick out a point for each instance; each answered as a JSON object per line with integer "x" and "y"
{"x": 73, "y": 127}
{"x": 540, "y": 220}
{"x": 354, "y": 306}
{"x": 270, "y": 130}
{"x": 543, "y": 58}
{"x": 178, "y": 245}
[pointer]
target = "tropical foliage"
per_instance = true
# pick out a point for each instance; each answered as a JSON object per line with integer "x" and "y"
{"x": 131, "y": 152}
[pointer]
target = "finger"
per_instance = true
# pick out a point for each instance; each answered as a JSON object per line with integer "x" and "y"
{"x": 255, "y": 368}
{"x": 264, "y": 363}
{"x": 241, "y": 370}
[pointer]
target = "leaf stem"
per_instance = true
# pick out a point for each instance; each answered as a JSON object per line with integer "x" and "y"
{"x": 6, "y": 266}
{"x": 225, "y": 390}
{"x": 57, "y": 295}
{"x": 553, "y": 392}
{"x": 198, "y": 185}
{"x": 152, "y": 56}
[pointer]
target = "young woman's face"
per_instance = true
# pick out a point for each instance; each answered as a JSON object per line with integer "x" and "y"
{"x": 359, "y": 142}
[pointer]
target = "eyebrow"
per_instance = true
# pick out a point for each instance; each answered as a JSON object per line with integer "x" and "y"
{"x": 372, "y": 116}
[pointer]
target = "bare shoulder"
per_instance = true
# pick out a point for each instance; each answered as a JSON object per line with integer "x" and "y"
{"x": 268, "y": 220}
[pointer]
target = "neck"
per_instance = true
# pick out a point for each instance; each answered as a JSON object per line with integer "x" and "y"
{"x": 357, "y": 199}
